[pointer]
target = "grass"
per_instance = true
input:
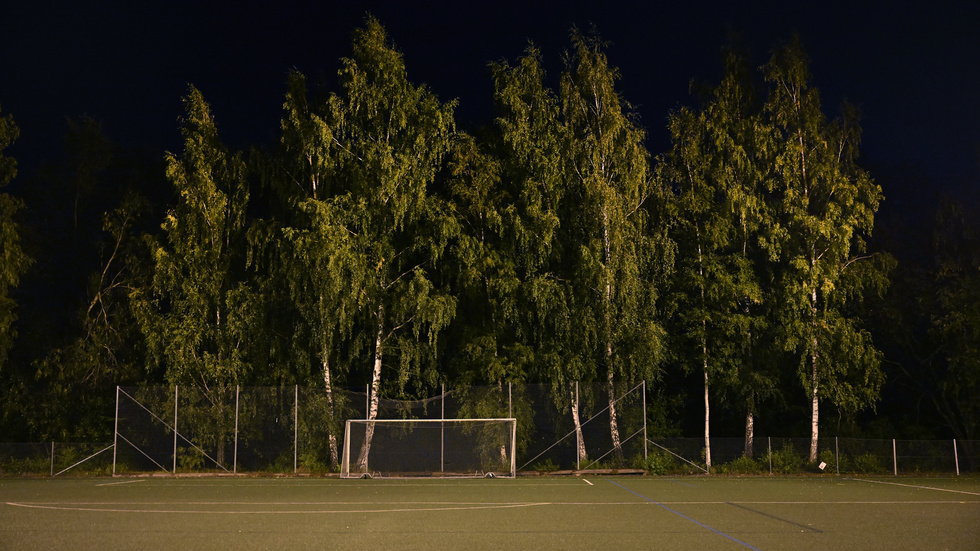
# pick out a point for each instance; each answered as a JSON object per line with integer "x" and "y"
{"x": 538, "y": 512}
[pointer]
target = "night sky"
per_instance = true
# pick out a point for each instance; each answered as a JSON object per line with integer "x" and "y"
{"x": 915, "y": 73}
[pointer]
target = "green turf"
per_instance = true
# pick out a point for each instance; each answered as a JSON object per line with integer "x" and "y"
{"x": 539, "y": 513}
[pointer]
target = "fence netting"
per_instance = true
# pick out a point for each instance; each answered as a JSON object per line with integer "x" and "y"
{"x": 300, "y": 430}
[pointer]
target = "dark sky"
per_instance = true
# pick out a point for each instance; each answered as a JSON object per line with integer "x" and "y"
{"x": 914, "y": 72}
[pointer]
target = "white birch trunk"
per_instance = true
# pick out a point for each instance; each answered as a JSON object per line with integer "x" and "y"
{"x": 814, "y": 357}
{"x": 579, "y": 439}
{"x": 749, "y": 427}
{"x": 362, "y": 459}
{"x": 610, "y": 371}
{"x": 328, "y": 387}
{"x": 707, "y": 424}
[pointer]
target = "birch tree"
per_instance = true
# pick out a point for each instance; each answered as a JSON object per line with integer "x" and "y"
{"x": 717, "y": 174}
{"x": 389, "y": 139}
{"x": 608, "y": 244}
{"x": 533, "y": 180}
{"x": 13, "y": 260}
{"x": 307, "y": 248}
{"x": 825, "y": 205}
{"x": 196, "y": 317}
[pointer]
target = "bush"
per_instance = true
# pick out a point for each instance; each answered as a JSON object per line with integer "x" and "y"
{"x": 868, "y": 463}
{"x": 787, "y": 461}
{"x": 660, "y": 463}
{"x": 742, "y": 465}
{"x": 546, "y": 466}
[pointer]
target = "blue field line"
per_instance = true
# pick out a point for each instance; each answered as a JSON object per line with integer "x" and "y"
{"x": 684, "y": 516}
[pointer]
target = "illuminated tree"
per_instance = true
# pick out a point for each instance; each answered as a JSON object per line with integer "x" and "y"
{"x": 13, "y": 260}
{"x": 825, "y": 206}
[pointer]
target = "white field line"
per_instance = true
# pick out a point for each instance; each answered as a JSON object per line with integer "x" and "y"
{"x": 404, "y": 506}
{"x": 587, "y": 482}
{"x": 268, "y": 512}
{"x": 120, "y": 483}
{"x": 917, "y": 487}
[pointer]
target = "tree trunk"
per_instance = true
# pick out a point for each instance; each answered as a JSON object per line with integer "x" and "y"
{"x": 607, "y": 314}
{"x": 815, "y": 415}
{"x": 814, "y": 356}
{"x": 362, "y": 459}
{"x": 707, "y": 424}
{"x": 749, "y": 426}
{"x": 328, "y": 387}
{"x": 579, "y": 439}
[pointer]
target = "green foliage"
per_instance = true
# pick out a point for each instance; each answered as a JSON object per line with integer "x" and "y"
{"x": 867, "y": 463}
{"x": 546, "y": 466}
{"x": 13, "y": 260}
{"x": 788, "y": 461}
{"x": 198, "y": 315}
{"x": 660, "y": 463}
{"x": 825, "y": 205}
{"x": 742, "y": 465}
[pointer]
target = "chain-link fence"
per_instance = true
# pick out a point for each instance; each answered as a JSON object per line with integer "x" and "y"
{"x": 772, "y": 455}
{"x": 559, "y": 428}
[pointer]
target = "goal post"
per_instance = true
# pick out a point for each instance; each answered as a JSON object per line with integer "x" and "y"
{"x": 429, "y": 448}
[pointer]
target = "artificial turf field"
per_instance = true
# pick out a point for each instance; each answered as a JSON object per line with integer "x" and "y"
{"x": 525, "y": 513}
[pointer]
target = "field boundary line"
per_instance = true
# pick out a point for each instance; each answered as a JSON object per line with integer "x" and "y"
{"x": 916, "y": 486}
{"x": 719, "y": 532}
{"x": 270, "y": 512}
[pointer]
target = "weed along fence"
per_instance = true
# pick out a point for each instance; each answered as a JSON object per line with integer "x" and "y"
{"x": 233, "y": 430}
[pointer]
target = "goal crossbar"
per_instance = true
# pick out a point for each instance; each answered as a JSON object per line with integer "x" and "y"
{"x": 429, "y": 448}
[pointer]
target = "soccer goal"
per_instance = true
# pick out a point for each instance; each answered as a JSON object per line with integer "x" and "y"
{"x": 439, "y": 448}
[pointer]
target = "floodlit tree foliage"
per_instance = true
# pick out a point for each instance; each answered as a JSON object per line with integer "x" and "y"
{"x": 389, "y": 139}
{"x": 13, "y": 260}
{"x": 608, "y": 243}
{"x": 717, "y": 174}
{"x": 197, "y": 316}
{"x": 825, "y": 206}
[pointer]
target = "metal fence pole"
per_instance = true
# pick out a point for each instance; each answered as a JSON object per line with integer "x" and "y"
{"x": 894, "y": 457}
{"x": 442, "y": 431}
{"x": 115, "y": 434}
{"x": 770, "y": 453}
{"x": 644, "y": 394}
{"x": 578, "y": 436}
{"x": 956, "y": 457}
{"x": 235, "y": 460}
{"x": 296, "y": 430}
{"x": 175, "y": 428}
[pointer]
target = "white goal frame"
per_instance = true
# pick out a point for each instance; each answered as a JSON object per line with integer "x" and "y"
{"x": 440, "y": 472}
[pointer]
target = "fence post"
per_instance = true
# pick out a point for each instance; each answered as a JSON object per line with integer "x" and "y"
{"x": 956, "y": 457}
{"x": 578, "y": 437}
{"x": 769, "y": 438}
{"x": 115, "y": 434}
{"x": 175, "y": 427}
{"x": 296, "y": 430}
{"x": 510, "y": 401}
{"x": 442, "y": 430}
{"x": 644, "y": 423}
{"x": 234, "y": 468}
{"x": 894, "y": 457}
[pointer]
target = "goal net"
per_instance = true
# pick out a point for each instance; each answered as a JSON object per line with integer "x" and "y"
{"x": 440, "y": 448}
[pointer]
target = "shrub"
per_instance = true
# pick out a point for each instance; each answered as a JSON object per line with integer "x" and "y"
{"x": 787, "y": 461}
{"x": 868, "y": 463}
{"x": 660, "y": 463}
{"x": 741, "y": 465}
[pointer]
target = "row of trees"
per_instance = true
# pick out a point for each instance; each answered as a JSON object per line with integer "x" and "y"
{"x": 379, "y": 244}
